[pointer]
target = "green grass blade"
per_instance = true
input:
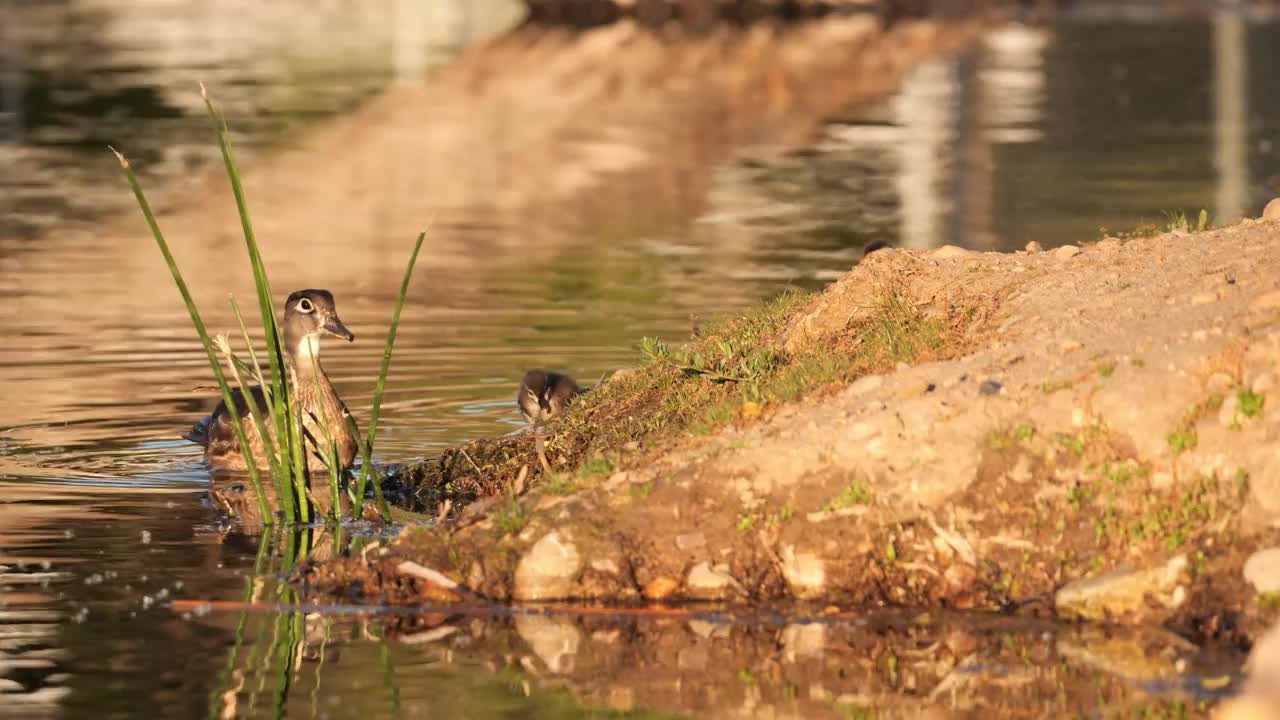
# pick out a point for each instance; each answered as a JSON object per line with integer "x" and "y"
{"x": 283, "y": 412}
{"x": 223, "y": 386}
{"x": 367, "y": 466}
{"x": 248, "y": 343}
{"x": 258, "y": 421}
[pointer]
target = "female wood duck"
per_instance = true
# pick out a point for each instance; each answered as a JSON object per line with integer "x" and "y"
{"x": 543, "y": 395}
{"x": 308, "y": 315}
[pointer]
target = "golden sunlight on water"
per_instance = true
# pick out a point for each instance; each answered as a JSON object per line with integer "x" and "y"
{"x": 580, "y": 192}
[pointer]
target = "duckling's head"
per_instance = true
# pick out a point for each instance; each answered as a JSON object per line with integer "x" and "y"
{"x": 543, "y": 395}
{"x": 309, "y": 315}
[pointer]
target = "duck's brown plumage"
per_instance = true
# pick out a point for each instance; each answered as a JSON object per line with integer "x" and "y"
{"x": 308, "y": 315}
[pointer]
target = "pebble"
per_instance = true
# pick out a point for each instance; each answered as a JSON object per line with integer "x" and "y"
{"x": 1066, "y": 252}
{"x": 709, "y": 581}
{"x": 546, "y": 572}
{"x": 805, "y": 572}
{"x": 1069, "y": 345}
{"x": 1227, "y": 413}
{"x": 1033, "y": 247}
{"x": 1272, "y": 210}
{"x": 659, "y": 588}
{"x": 1262, "y": 570}
{"x": 1122, "y": 595}
{"x": 1263, "y": 383}
{"x": 951, "y": 251}
{"x": 989, "y": 387}
{"x": 1204, "y": 298}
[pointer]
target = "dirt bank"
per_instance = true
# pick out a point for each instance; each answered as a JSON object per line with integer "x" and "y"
{"x": 973, "y": 430}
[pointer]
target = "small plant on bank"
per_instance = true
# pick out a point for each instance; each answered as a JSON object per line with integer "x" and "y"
{"x": 1250, "y": 404}
{"x": 510, "y": 517}
{"x": 855, "y": 493}
{"x": 1177, "y": 221}
{"x": 281, "y": 428}
{"x": 1181, "y": 441}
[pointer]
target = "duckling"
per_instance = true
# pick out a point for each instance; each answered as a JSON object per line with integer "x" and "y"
{"x": 543, "y": 395}
{"x": 308, "y": 316}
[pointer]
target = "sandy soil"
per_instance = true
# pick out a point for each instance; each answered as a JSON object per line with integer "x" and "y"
{"x": 1105, "y": 407}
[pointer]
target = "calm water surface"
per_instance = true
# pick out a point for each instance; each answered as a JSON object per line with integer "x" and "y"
{"x": 1035, "y": 133}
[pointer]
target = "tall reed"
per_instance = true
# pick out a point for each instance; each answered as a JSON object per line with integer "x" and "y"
{"x": 282, "y": 428}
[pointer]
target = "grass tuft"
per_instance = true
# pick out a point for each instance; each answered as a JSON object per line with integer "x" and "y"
{"x": 281, "y": 429}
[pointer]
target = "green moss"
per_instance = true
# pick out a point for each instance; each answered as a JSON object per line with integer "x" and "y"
{"x": 855, "y": 493}
{"x": 1181, "y": 441}
{"x": 1010, "y": 437}
{"x": 1249, "y": 403}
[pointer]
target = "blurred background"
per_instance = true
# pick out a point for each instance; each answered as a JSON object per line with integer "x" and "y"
{"x": 588, "y": 172}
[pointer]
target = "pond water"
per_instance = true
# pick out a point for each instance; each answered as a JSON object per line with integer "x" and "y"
{"x": 1101, "y": 119}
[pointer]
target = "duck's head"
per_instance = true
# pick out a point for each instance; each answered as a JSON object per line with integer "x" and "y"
{"x": 309, "y": 315}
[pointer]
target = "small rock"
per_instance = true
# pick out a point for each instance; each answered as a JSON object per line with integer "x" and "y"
{"x": 1266, "y": 301}
{"x": 605, "y": 565}
{"x": 1204, "y": 298}
{"x": 1069, "y": 345}
{"x": 1227, "y": 413}
{"x": 1262, "y": 570}
{"x": 951, "y": 251}
{"x": 690, "y": 541}
{"x": 707, "y": 582}
{"x": 1263, "y": 383}
{"x": 1033, "y": 247}
{"x": 989, "y": 387}
{"x": 1272, "y": 210}
{"x": 547, "y": 570}
{"x": 959, "y": 578}
{"x": 1121, "y": 595}
{"x": 1066, "y": 252}
{"x": 660, "y": 588}
{"x": 805, "y": 572}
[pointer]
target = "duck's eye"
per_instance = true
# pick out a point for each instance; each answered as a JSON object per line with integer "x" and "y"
{"x": 304, "y": 305}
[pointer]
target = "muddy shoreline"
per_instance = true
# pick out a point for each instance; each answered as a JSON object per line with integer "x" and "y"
{"x": 1082, "y": 433}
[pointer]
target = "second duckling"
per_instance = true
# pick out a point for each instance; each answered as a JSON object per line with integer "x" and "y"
{"x": 543, "y": 395}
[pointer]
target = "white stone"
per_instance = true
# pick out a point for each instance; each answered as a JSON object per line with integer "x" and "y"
{"x": 951, "y": 251}
{"x": 1227, "y": 413}
{"x": 1066, "y": 252}
{"x": 1262, "y": 570}
{"x": 1272, "y": 210}
{"x": 706, "y": 581}
{"x": 547, "y": 570}
{"x": 805, "y": 572}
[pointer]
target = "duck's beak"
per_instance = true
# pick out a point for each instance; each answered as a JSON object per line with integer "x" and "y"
{"x": 334, "y": 326}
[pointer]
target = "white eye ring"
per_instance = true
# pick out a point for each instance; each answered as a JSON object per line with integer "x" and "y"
{"x": 304, "y": 305}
